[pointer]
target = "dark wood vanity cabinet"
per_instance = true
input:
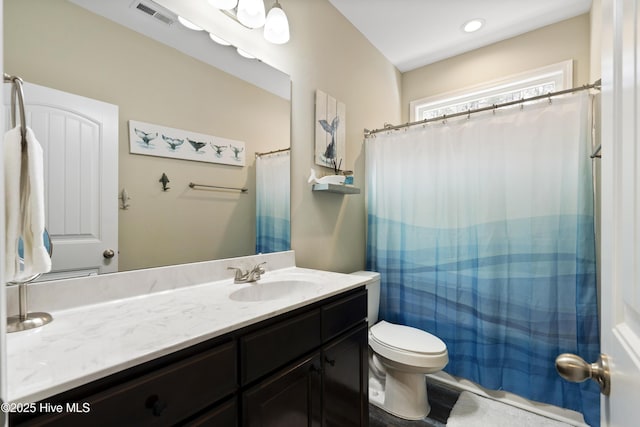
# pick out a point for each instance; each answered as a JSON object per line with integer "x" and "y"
{"x": 328, "y": 387}
{"x": 308, "y": 367}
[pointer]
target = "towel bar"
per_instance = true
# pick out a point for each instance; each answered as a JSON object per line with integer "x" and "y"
{"x": 242, "y": 190}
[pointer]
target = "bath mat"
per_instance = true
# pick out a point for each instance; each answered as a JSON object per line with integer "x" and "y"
{"x": 472, "y": 410}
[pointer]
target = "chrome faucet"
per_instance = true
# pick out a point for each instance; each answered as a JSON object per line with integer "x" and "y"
{"x": 248, "y": 276}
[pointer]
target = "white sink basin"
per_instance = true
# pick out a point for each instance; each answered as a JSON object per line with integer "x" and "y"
{"x": 274, "y": 290}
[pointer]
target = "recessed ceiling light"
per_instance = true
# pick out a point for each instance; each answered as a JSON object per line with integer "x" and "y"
{"x": 473, "y": 25}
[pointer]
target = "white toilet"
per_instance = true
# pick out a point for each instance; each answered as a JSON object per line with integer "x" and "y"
{"x": 399, "y": 358}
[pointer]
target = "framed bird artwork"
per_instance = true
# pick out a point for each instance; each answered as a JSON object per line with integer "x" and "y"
{"x": 330, "y": 131}
{"x": 162, "y": 141}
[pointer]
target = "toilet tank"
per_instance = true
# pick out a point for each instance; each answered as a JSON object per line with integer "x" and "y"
{"x": 373, "y": 294}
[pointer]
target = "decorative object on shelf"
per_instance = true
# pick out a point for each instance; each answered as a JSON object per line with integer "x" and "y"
{"x": 124, "y": 199}
{"x": 161, "y": 141}
{"x": 329, "y": 179}
{"x": 164, "y": 179}
{"x": 330, "y": 130}
{"x": 348, "y": 177}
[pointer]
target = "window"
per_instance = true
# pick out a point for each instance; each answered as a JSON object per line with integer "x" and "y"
{"x": 524, "y": 85}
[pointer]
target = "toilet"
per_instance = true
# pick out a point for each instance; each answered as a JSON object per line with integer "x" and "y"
{"x": 399, "y": 358}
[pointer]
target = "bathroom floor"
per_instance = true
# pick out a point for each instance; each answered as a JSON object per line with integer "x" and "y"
{"x": 441, "y": 399}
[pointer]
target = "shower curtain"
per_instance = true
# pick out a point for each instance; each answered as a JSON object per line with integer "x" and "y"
{"x": 272, "y": 203}
{"x": 483, "y": 231}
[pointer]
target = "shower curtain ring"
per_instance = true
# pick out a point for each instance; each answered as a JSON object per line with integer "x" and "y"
{"x": 469, "y": 114}
{"x": 444, "y": 119}
{"x": 550, "y": 98}
{"x": 495, "y": 107}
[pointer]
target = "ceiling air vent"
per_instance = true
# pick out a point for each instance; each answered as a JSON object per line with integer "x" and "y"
{"x": 154, "y": 10}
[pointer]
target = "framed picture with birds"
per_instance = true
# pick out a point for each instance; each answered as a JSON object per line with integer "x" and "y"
{"x": 330, "y": 130}
{"x": 162, "y": 141}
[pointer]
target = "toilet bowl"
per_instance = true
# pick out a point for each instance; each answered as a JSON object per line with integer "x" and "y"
{"x": 400, "y": 356}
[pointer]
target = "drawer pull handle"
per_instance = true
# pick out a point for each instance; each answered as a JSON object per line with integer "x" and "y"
{"x": 156, "y": 405}
{"x": 330, "y": 361}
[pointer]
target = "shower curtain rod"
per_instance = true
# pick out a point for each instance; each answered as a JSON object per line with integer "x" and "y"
{"x": 596, "y": 85}
{"x": 282, "y": 150}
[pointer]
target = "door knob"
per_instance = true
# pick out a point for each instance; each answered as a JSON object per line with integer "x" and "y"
{"x": 573, "y": 368}
{"x": 108, "y": 253}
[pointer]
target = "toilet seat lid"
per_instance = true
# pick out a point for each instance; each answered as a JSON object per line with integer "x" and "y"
{"x": 407, "y": 338}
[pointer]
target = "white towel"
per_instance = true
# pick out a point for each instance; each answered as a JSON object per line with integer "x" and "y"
{"x": 24, "y": 206}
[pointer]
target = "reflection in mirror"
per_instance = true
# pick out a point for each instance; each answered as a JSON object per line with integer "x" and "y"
{"x": 61, "y": 45}
{"x": 25, "y": 320}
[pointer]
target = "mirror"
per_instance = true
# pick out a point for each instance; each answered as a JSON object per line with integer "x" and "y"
{"x": 136, "y": 65}
{"x": 48, "y": 245}
{"x": 24, "y": 319}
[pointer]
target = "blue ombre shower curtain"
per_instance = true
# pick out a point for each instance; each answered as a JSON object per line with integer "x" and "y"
{"x": 273, "y": 203}
{"x": 483, "y": 231}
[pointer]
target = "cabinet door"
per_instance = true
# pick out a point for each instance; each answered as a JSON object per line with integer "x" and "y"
{"x": 288, "y": 398}
{"x": 345, "y": 391}
{"x": 224, "y": 415}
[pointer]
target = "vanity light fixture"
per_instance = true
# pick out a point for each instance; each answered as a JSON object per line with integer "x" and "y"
{"x": 223, "y": 4}
{"x": 190, "y": 25}
{"x": 251, "y": 13}
{"x": 473, "y": 25}
{"x": 219, "y": 40}
{"x": 245, "y": 54}
{"x": 276, "y": 27}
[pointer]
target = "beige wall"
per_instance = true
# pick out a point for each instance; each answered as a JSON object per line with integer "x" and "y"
{"x": 568, "y": 39}
{"x": 57, "y": 44}
{"x": 326, "y": 53}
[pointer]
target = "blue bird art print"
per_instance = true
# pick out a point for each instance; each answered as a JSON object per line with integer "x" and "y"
{"x": 218, "y": 149}
{"x": 197, "y": 145}
{"x": 174, "y": 143}
{"x": 329, "y": 155}
{"x": 145, "y": 137}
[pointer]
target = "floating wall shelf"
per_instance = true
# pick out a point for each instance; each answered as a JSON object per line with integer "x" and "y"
{"x": 336, "y": 188}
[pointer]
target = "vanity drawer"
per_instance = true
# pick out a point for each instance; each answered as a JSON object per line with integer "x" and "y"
{"x": 163, "y": 397}
{"x": 343, "y": 314}
{"x": 274, "y": 346}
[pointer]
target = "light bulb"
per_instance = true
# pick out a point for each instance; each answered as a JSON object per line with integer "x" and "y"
{"x": 190, "y": 25}
{"x": 251, "y": 13}
{"x": 223, "y": 4}
{"x": 245, "y": 54}
{"x": 276, "y": 27}
{"x": 219, "y": 40}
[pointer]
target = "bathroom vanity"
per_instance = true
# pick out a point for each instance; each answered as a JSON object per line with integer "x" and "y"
{"x": 266, "y": 361}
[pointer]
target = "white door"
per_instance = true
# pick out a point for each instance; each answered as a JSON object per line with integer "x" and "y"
{"x": 621, "y": 210}
{"x": 3, "y": 303}
{"x": 79, "y": 137}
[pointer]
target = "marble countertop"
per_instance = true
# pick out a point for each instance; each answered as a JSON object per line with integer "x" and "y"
{"x": 89, "y": 342}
